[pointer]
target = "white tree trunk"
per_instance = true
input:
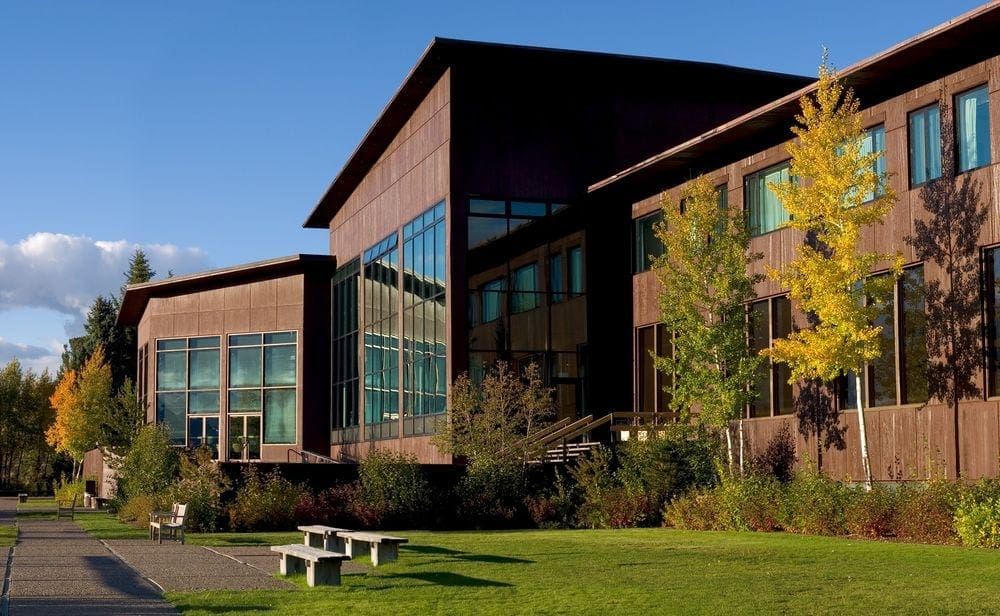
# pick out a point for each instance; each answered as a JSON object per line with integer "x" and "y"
{"x": 729, "y": 446}
{"x": 865, "y": 464}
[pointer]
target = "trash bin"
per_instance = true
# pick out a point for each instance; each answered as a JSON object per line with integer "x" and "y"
{"x": 22, "y": 497}
{"x": 88, "y": 500}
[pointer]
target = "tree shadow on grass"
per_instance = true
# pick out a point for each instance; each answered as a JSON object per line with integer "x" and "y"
{"x": 446, "y": 578}
{"x": 466, "y": 556}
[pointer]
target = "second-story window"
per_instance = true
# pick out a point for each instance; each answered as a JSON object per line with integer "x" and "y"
{"x": 972, "y": 127}
{"x": 647, "y": 245}
{"x": 925, "y": 145}
{"x": 764, "y": 211}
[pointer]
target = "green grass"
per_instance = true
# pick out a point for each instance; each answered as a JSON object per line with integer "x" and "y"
{"x": 103, "y": 525}
{"x": 37, "y": 502}
{"x": 640, "y": 571}
{"x": 8, "y": 534}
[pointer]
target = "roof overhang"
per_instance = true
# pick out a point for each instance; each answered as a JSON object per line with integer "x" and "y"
{"x": 137, "y": 296}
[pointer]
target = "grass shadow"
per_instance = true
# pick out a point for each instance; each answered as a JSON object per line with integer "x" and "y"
{"x": 446, "y": 578}
{"x": 466, "y": 556}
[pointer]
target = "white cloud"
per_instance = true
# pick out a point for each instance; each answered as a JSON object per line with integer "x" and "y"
{"x": 32, "y": 357}
{"x": 66, "y": 272}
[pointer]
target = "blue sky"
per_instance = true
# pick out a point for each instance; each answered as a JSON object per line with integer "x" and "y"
{"x": 206, "y": 131}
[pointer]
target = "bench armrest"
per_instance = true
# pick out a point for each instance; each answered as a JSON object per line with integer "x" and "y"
{"x": 161, "y": 516}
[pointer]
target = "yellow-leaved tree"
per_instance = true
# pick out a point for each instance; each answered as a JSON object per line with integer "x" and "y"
{"x": 835, "y": 194}
{"x": 83, "y": 403}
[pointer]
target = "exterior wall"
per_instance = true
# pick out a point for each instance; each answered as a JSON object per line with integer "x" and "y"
{"x": 411, "y": 176}
{"x": 909, "y": 440}
{"x": 275, "y": 304}
{"x": 94, "y": 468}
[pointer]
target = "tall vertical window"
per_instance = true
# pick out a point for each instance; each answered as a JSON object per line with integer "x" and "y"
{"x": 899, "y": 375}
{"x": 525, "y": 287}
{"x": 647, "y": 245}
{"x": 874, "y": 141}
{"x": 262, "y": 383}
{"x": 653, "y": 386}
{"x": 992, "y": 298}
{"x": 770, "y": 319}
{"x": 925, "y": 145}
{"x": 492, "y": 299}
{"x": 345, "y": 346}
{"x": 424, "y": 325}
{"x": 381, "y": 278}
{"x": 764, "y": 210}
{"x": 972, "y": 125}
{"x": 187, "y": 390}
{"x": 557, "y": 288}
{"x": 575, "y": 274}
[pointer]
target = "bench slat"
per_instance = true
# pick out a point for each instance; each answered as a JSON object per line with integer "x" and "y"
{"x": 309, "y": 553}
{"x": 374, "y": 538}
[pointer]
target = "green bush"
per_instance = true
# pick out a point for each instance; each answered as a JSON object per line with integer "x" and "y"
{"x": 555, "y": 509}
{"x": 926, "y": 511}
{"x": 66, "y": 489}
{"x": 750, "y": 503}
{"x": 977, "y": 522}
{"x": 201, "y": 486}
{"x": 693, "y": 511}
{"x": 393, "y": 485}
{"x": 149, "y": 467}
{"x": 814, "y": 504}
{"x": 264, "y": 503}
{"x": 872, "y": 513}
{"x": 138, "y": 508}
{"x": 491, "y": 494}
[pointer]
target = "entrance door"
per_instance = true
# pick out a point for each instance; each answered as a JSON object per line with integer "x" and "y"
{"x": 244, "y": 437}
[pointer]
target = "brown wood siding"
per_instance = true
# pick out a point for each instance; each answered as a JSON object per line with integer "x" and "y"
{"x": 905, "y": 442}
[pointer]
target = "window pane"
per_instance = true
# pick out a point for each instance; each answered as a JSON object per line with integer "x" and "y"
{"x": 279, "y": 416}
{"x": 211, "y": 342}
{"x": 171, "y": 345}
{"x": 212, "y": 435}
{"x": 765, "y": 211}
{"x": 171, "y": 371}
{"x": 874, "y": 141}
{"x": 487, "y": 206}
{"x": 244, "y": 339}
{"x": 575, "y": 256}
{"x": 882, "y": 371}
{"x": 279, "y": 365}
{"x": 170, "y": 413}
{"x": 244, "y": 367}
{"x": 781, "y": 326}
{"x": 527, "y": 208}
{"x": 556, "y": 286}
{"x": 525, "y": 286}
{"x": 253, "y": 437}
{"x": 647, "y": 245}
{"x": 195, "y": 431}
{"x": 491, "y": 300}
{"x": 203, "y": 402}
{"x": 647, "y": 371}
{"x": 759, "y": 340}
{"x": 925, "y": 145}
{"x": 485, "y": 230}
{"x": 972, "y": 121}
{"x": 992, "y": 293}
{"x": 279, "y": 338}
{"x": 204, "y": 369}
{"x": 913, "y": 322}
{"x": 244, "y": 401}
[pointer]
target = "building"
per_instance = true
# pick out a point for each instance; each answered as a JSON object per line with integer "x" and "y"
{"x": 946, "y": 80}
{"x": 461, "y": 232}
{"x": 499, "y": 208}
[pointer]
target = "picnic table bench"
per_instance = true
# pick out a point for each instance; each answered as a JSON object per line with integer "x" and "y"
{"x": 321, "y": 566}
{"x": 383, "y": 548}
{"x": 326, "y": 537}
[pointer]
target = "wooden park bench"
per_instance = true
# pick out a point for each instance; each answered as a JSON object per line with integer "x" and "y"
{"x": 66, "y": 509}
{"x": 325, "y": 537}
{"x": 321, "y": 567}
{"x": 383, "y": 548}
{"x": 171, "y": 522}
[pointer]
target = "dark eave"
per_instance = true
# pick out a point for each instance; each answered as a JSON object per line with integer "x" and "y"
{"x": 944, "y": 49}
{"x": 443, "y": 53}
{"x": 137, "y": 296}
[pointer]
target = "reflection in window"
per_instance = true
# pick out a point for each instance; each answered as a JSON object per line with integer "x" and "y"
{"x": 925, "y": 145}
{"x": 424, "y": 323}
{"x": 575, "y": 257}
{"x": 381, "y": 279}
{"x": 492, "y": 219}
{"x": 187, "y": 383}
{"x": 764, "y": 210}
{"x": 492, "y": 296}
{"x": 972, "y": 124}
{"x": 647, "y": 245}
{"x": 557, "y": 288}
{"x": 903, "y": 353}
{"x": 262, "y": 381}
{"x": 770, "y": 320}
{"x": 345, "y": 345}
{"x": 874, "y": 141}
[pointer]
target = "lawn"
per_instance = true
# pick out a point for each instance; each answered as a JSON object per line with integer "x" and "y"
{"x": 640, "y": 571}
{"x": 8, "y": 534}
{"x": 103, "y": 525}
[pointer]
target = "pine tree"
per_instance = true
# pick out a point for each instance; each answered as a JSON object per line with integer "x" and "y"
{"x": 829, "y": 277}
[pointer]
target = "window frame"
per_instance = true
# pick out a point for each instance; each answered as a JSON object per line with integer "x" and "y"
{"x": 187, "y": 390}
{"x": 984, "y": 87}
{"x": 747, "y": 201}
{"x": 263, "y": 388}
{"x": 931, "y": 144}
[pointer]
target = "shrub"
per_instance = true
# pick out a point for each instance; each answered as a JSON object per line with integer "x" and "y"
{"x": 138, "y": 508}
{"x": 201, "y": 486}
{"x": 393, "y": 485}
{"x": 926, "y": 512}
{"x": 814, "y": 504}
{"x": 491, "y": 494}
{"x": 149, "y": 467}
{"x": 778, "y": 458}
{"x": 595, "y": 481}
{"x": 749, "y": 503}
{"x": 264, "y": 503}
{"x": 556, "y": 509}
{"x": 977, "y": 522}
{"x": 693, "y": 511}
{"x": 67, "y": 489}
{"x": 871, "y": 513}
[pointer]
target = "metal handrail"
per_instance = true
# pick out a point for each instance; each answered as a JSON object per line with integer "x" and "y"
{"x": 305, "y": 455}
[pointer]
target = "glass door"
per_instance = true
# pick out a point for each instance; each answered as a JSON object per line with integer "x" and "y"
{"x": 244, "y": 437}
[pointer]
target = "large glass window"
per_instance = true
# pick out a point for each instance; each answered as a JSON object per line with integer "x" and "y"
{"x": 492, "y": 219}
{"x": 925, "y": 145}
{"x": 647, "y": 245}
{"x": 899, "y": 374}
{"x": 874, "y": 141}
{"x": 345, "y": 346}
{"x": 187, "y": 389}
{"x": 262, "y": 382}
{"x": 972, "y": 124}
{"x": 381, "y": 279}
{"x": 525, "y": 283}
{"x": 764, "y": 211}
{"x": 424, "y": 324}
{"x": 770, "y": 320}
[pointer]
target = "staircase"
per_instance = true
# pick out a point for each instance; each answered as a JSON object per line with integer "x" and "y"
{"x": 565, "y": 441}
{"x": 307, "y": 457}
